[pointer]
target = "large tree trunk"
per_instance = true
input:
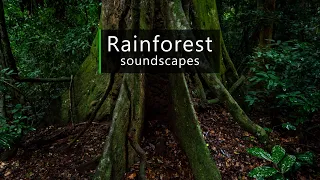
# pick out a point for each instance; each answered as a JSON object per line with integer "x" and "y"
{"x": 125, "y": 106}
{"x": 127, "y": 119}
{"x": 6, "y": 59}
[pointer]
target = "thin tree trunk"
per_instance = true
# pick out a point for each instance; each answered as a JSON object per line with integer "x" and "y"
{"x": 7, "y": 60}
{"x": 266, "y": 25}
{"x": 189, "y": 133}
{"x": 2, "y": 105}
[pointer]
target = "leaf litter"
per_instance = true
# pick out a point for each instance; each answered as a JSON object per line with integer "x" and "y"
{"x": 38, "y": 159}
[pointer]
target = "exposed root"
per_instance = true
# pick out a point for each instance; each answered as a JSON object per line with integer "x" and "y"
{"x": 237, "y": 84}
{"x": 141, "y": 153}
{"x": 93, "y": 114}
{"x": 71, "y": 100}
{"x": 238, "y": 114}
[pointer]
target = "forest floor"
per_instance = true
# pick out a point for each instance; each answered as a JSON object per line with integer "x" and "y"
{"x": 43, "y": 155}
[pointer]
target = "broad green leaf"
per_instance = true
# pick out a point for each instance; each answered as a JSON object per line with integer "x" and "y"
{"x": 262, "y": 172}
{"x": 258, "y": 152}
{"x": 286, "y": 163}
{"x": 306, "y": 157}
{"x": 288, "y": 126}
{"x": 277, "y": 154}
{"x": 18, "y": 106}
{"x": 267, "y": 129}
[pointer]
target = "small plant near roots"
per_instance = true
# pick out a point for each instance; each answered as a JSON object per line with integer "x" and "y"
{"x": 11, "y": 131}
{"x": 15, "y": 119}
{"x": 284, "y": 164}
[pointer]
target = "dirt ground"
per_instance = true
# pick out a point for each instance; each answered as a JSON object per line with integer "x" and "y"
{"x": 49, "y": 160}
{"x": 43, "y": 154}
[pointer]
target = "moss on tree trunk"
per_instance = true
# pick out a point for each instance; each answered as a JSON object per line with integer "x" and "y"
{"x": 127, "y": 118}
{"x": 188, "y": 131}
{"x": 238, "y": 114}
{"x": 89, "y": 87}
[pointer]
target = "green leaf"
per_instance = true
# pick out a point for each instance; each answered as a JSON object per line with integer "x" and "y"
{"x": 18, "y": 106}
{"x": 267, "y": 129}
{"x": 307, "y": 157}
{"x": 277, "y": 154}
{"x": 297, "y": 165}
{"x": 288, "y": 126}
{"x": 287, "y": 163}
{"x": 258, "y": 152}
{"x": 262, "y": 172}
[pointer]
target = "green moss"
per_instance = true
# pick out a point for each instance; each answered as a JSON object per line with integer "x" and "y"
{"x": 136, "y": 85}
{"x": 206, "y": 15}
{"x": 89, "y": 86}
{"x": 114, "y": 155}
{"x": 147, "y": 14}
{"x": 237, "y": 113}
{"x": 189, "y": 132}
{"x": 118, "y": 153}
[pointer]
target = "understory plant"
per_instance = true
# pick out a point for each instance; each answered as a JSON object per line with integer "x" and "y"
{"x": 12, "y": 130}
{"x": 286, "y": 76}
{"x": 283, "y": 164}
{"x": 50, "y": 42}
{"x": 16, "y": 119}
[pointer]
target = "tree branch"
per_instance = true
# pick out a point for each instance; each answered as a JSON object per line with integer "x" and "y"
{"x": 44, "y": 80}
{"x": 237, "y": 84}
{"x": 94, "y": 113}
{"x": 71, "y": 100}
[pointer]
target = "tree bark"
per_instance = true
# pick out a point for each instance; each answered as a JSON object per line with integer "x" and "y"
{"x": 266, "y": 23}
{"x": 128, "y": 114}
{"x": 237, "y": 113}
{"x": 189, "y": 133}
{"x": 127, "y": 119}
{"x": 127, "y": 104}
{"x": 6, "y": 59}
{"x": 186, "y": 125}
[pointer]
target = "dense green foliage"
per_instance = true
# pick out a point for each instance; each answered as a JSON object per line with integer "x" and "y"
{"x": 19, "y": 118}
{"x": 283, "y": 163}
{"x": 12, "y": 131}
{"x": 241, "y": 22}
{"x": 287, "y": 77}
{"x": 283, "y": 77}
{"x": 50, "y": 40}
{"x": 44, "y": 45}
{"x": 47, "y": 45}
